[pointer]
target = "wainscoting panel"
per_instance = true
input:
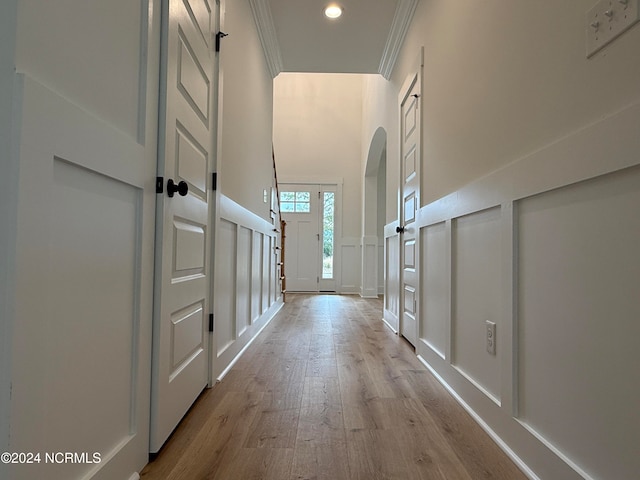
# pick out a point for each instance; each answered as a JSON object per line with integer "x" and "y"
{"x": 350, "y": 265}
{"x": 83, "y": 315}
{"x": 266, "y": 253}
{"x": 81, "y": 356}
{"x": 547, "y": 249}
{"x": 391, "y": 313}
{"x": 476, "y": 255}
{"x": 381, "y": 266}
{"x": 579, "y": 321}
{"x": 435, "y": 295}
{"x": 246, "y": 293}
{"x": 225, "y": 294}
{"x": 243, "y": 280}
{"x": 274, "y": 258}
{"x": 369, "y": 267}
{"x": 256, "y": 275}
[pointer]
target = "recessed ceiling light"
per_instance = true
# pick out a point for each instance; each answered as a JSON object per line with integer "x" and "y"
{"x": 333, "y": 11}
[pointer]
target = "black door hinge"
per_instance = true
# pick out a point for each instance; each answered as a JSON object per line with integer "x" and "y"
{"x": 211, "y": 322}
{"x": 214, "y": 181}
{"x": 159, "y": 184}
{"x": 219, "y": 36}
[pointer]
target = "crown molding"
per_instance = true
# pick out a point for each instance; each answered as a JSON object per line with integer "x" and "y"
{"x": 267, "y": 33}
{"x": 399, "y": 26}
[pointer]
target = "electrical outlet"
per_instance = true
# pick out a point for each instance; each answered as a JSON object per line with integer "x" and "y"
{"x": 607, "y": 20}
{"x": 491, "y": 337}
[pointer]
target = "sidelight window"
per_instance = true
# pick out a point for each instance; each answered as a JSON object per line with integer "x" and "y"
{"x": 328, "y": 223}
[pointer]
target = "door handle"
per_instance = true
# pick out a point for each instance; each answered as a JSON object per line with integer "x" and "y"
{"x": 399, "y": 229}
{"x": 182, "y": 188}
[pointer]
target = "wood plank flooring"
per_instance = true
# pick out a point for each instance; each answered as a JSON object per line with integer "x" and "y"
{"x": 328, "y": 392}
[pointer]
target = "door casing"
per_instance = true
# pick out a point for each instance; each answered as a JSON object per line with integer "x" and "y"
{"x": 410, "y": 184}
{"x": 182, "y": 342}
{"x": 320, "y": 185}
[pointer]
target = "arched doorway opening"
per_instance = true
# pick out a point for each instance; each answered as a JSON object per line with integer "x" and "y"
{"x": 374, "y": 207}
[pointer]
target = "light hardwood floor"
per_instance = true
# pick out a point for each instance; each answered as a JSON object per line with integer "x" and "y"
{"x": 328, "y": 392}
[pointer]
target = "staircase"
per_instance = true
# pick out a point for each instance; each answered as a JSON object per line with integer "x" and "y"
{"x": 283, "y": 224}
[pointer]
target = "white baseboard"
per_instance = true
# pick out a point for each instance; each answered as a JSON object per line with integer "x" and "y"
{"x": 384, "y": 320}
{"x": 266, "y": 317}
{"x": 494, "y": 436}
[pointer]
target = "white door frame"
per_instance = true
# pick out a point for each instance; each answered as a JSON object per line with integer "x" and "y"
{"x": 413, "y": 79}
{"x": 337, "y": 243}
{"x": 302, "y": 242}
{"x": 189, "y": 378}
{"x": 214, "y": 204}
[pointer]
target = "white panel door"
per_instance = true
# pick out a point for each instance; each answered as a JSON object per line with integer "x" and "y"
{"x": 181, "y": 340}
{"x": 300, "y": 209}
{"x": 410, "y": 195}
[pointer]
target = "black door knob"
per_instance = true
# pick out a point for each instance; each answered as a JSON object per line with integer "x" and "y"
{"x": 399, "y": 229}
{"x": 182, "y": 188}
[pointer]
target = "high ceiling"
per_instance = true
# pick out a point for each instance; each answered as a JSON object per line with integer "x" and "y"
{"x": 297, "y": 37}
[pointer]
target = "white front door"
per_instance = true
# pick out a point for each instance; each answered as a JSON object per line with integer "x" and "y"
{"x": 299, "y": 207}
{"x": 309, "y": 211}
{"x": 410, "y": 195}
{"x": 181, "y": 339}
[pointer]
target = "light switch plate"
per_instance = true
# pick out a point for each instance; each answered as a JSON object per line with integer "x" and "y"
{"x": 607, "y": 20}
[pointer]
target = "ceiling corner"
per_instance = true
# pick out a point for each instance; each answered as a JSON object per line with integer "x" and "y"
{"x": 267, "y": 33}
{"x": 399, "y": 26}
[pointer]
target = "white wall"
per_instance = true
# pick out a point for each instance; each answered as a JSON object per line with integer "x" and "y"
{"x": 502, "y": 81}
{"x": 380, "y": 110}
{"x": 381, "y": 220}
{"x": 85, "y": 122}
{"x": 373, "y": 215}
{"x": 509, "y": 90}
{"x": 247, "y": 289}
{"x": 66, "y": 51}
{"x": 551, "y": 260}
{"x": 246, "y": 165}
{"x": 8, "y": 187}
{"x": 381, "y": 113}
{"x": 317, "y": 134}
{"x": 317, "y": 122}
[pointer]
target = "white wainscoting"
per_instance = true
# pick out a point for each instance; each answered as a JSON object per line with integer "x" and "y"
{"x": 547, "y": 249}
{"x": 369, "y": 267}
{"x": 435, "y": 294}
{"x": 247, "y": 291}
{"x": 350, "y": 265}
{"x": 476, "y": 294}
{"x": 81, "y": 364}
{"x": 381, "y": 266}
{"x": 391, "y": 310}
